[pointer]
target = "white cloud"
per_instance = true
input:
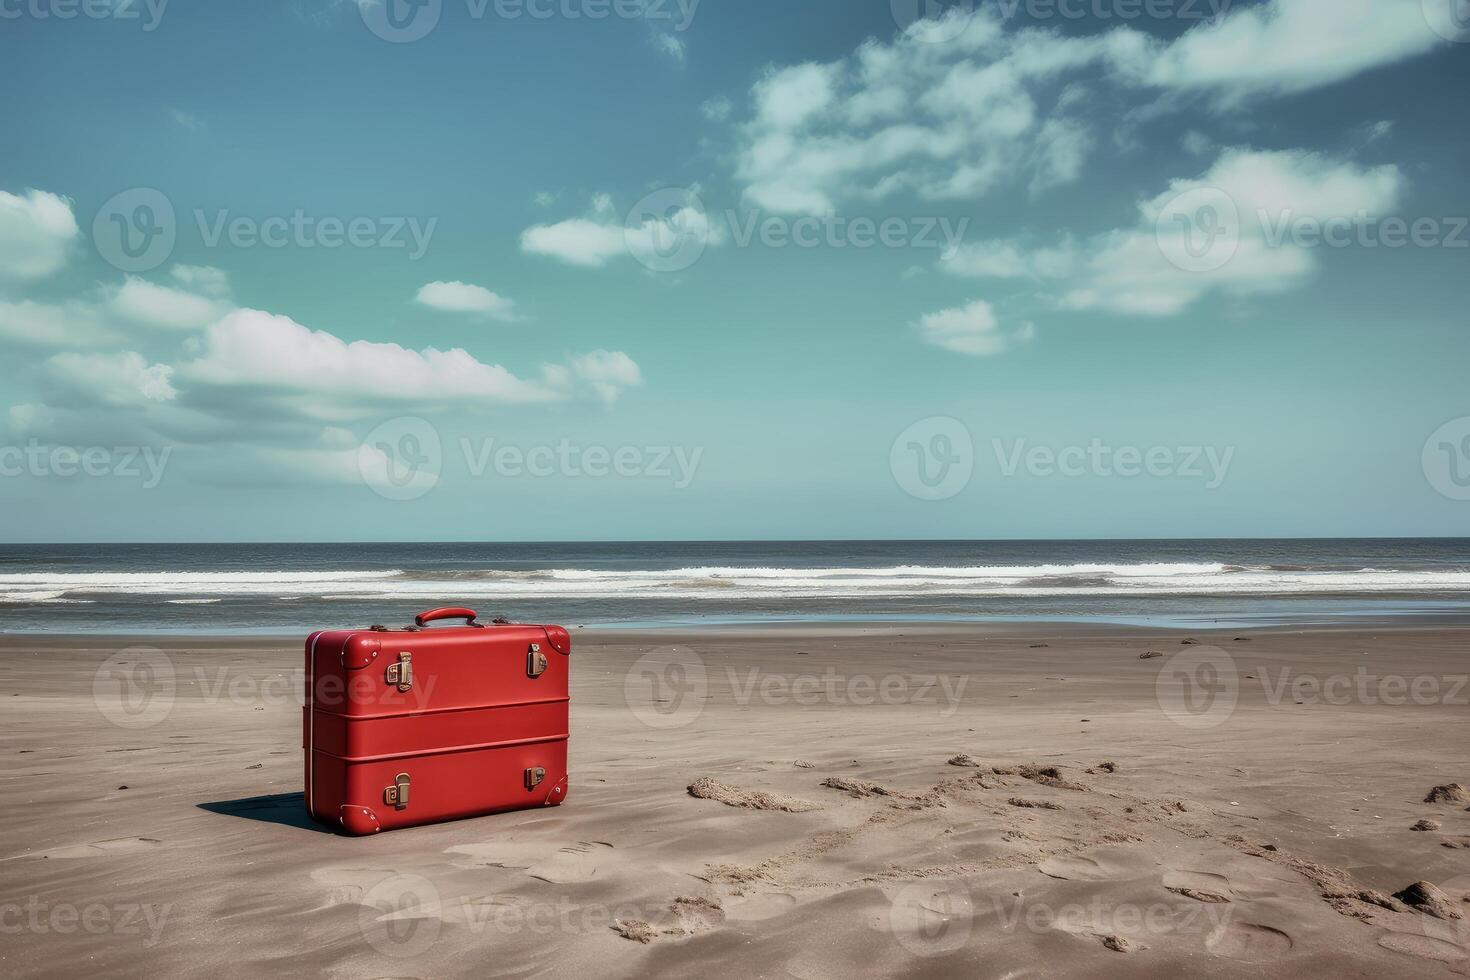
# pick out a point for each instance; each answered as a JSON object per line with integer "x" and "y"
{"x": 671, "y": 46}
{"x": 322, "y": 374}
{"x": 147, "y": 303}
{"x": 717, "y": 109}
{"x": 187, "y": 120}
{"x": 1292, "y": 45}
{"x": 947, "y": 114}
{"x": 463, "y": 297}
{"x": 608, "y": 373}
{"x": 1130, "y": 271}
{"x": 578, "y": 241}
{"x": 113, "y": 380}
{"x": 71, "y": 324}
{"x": 972, "y": 329}
{"x": 1009, "y": 259}
{"x": 36, "y": 231}
{"x": 593, "y": 242}
{"x": 251, "y": 357}
{"x": 204, "y": 278}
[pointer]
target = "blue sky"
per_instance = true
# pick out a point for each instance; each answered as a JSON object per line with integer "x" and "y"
{"x": 733, "y": 270}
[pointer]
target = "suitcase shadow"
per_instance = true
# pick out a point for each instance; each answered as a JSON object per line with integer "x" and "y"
{"x": 286, "y": 809}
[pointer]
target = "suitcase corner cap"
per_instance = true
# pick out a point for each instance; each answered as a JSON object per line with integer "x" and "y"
{"x": 559, "y": 638}
{"x": 360, "y": 651}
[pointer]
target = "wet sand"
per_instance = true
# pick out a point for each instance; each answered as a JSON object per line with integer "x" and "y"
{"x": 906, "y": 801}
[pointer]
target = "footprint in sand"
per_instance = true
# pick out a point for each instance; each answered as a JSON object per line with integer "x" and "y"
{"x": 1101, "y": 864}
{"x": 1248, "y": 941}
{"x": 117, "y": 845}
{"x": 1202, "y": 886}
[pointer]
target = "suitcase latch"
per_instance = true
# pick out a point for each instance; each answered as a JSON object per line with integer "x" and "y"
{"x": 396, "y": 795}
{"x": 534, "y": 777}
{"x": 401, "y": 673}
{"x": 535, "y": 661}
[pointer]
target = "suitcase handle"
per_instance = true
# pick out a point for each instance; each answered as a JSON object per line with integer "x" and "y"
{"x": 448, "y": 612}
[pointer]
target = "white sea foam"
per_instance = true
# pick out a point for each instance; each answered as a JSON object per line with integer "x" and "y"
{"x": 729, "y": 582}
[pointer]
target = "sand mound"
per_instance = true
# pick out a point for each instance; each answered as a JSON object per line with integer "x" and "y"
{"x": 1048, "y": 776}
{"x": 635, "y": 929}
{"x": 705, "y": 788}
{"x": 1102, "y": 767}
{"x": 1033, "y": 804}
{"x": 1427, "y": 825}
{"x": 1429, "y": 899}
{"x": 964, "y": 761}
{"x": 1149, "y": 655}
{"x": 1448, "y": 793}
{"x": 1116, "y": 943}
{"x": 861, "y": 789}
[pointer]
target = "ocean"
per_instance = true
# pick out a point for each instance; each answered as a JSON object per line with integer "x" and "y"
{"x": 294, "y": 588}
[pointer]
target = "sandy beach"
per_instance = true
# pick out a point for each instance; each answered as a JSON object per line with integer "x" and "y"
{"x": 992, "y": 801}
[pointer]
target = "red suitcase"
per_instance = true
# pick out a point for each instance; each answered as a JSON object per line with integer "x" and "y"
{"x": 414, "y": 725}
